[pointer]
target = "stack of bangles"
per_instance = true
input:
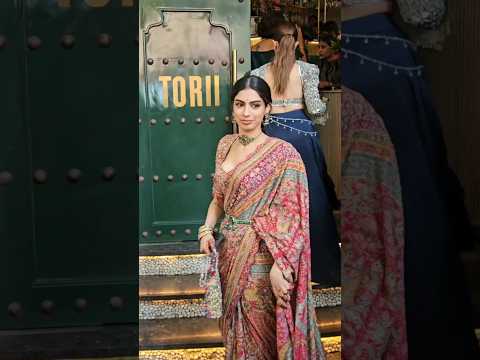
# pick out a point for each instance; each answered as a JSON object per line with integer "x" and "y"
{"x": 204, "y": 230}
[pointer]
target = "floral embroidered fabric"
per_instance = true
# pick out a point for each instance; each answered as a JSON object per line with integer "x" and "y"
{"x": 373, "y": 287}
{"x": 269, "y": 189}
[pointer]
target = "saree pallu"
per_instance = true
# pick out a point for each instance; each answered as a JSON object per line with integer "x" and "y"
{"x": 265, "y": 198}
{"x": 373, "y": 291}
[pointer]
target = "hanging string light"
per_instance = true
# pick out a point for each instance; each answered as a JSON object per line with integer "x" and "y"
{"x": 411, "y": 70}
{"x": 365, "y": 39}
{"x": 292, "y": 129}
{"x": 386, "y": 39}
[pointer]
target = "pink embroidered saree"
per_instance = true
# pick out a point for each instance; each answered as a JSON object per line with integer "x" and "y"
{"x": 373, "y": 289}
{"x": 265, "y": 199}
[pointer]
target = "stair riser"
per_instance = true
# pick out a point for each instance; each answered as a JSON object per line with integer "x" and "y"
{"x": 185, "y": 308}
{"x": 170, "y": 286}
{"x": 201, "y": 331}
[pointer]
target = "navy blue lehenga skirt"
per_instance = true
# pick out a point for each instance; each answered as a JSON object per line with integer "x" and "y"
{"x": 297, "y": 129}
{"x": 436, "y": 221}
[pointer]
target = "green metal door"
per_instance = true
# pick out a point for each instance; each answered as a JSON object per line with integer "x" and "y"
{"x": 190, "y": 52}
{"x": 68, "y": 158}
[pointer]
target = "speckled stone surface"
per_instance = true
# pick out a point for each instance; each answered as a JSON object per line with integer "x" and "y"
{"x": 184, "y": 354}
{"x": 170, "y": 309}
{"x": 186, "y": 308}
{"x": 327, "y": 297}
{"x": 171, "y": 265}
{"x": 332, "y": 344}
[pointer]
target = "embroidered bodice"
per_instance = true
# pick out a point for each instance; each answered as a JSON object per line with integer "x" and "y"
{"x": 285, "y": 102}
{"x": 309, "y": 74}
{"x": 427, "y": 14}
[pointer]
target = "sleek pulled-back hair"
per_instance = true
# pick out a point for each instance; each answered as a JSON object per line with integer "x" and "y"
{"x": 285, "y": 33}
{"x": 255, "y": 83}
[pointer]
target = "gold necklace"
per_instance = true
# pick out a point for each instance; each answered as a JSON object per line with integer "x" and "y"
{"x": 245, "y": 139}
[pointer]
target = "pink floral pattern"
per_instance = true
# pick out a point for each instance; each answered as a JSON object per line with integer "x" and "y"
{"x": 270, "y": 189}
{"x": 372, "y": 231}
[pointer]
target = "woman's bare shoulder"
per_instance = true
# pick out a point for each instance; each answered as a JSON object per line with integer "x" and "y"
{"x": 228, "y": 138}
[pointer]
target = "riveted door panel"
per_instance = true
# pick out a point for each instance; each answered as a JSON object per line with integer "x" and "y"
{"x": 186, "y": 73}
{"x": 72, "y": 148}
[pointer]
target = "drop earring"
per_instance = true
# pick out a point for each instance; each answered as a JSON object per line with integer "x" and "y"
{"x": 266, "y": 119}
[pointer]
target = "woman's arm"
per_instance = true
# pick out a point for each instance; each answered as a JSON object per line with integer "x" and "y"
{"x": 213, "y": 214}
{"x": 310, "y": 79}
{"x": 205, "y": 236}
{"x": 215, "y": 209}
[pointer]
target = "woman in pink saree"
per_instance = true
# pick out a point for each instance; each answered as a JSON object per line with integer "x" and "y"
{"x": 260, "y": 185}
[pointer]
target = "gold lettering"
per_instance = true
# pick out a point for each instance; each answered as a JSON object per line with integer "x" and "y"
{"x": 195, "y": 84}
{"x": 165, "y": 80}
{"x": 97, "y": 3}
{"x": 127, "y": 3}
{"x": 208, "y": 90}
{"x": 179, "y": 91}
{"x": 216, "y": 80}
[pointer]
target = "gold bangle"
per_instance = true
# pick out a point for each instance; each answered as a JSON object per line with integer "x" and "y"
{"x": 205, "y": 233}
{"x": 205, "y": 227}
{"x": 202, "y": 236}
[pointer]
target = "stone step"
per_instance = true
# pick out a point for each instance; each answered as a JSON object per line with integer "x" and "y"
{"x": 156, "y": 287}
{"x": 185, "y": 264}
{"x": 202, "y": 332}
{"x": 171, "y": 287}
{"x": 331, "y": 344}
{"x": 167, "y": 308}
{"x": 171, "y": 264}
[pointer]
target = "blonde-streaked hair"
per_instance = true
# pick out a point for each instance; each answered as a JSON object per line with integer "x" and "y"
{"x": 285, "y": 33}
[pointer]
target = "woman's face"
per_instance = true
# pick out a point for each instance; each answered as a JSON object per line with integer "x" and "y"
{"x": 249, "y": 110}
{"x": 324, "y": 50}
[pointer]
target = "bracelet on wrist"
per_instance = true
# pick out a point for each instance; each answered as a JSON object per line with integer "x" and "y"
{"x": 203, "y": 231}
{"x": 205, "y": 227}
{"x": 202, "y": 234}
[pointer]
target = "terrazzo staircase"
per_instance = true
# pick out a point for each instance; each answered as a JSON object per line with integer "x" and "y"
{"x": 173, "y": 325}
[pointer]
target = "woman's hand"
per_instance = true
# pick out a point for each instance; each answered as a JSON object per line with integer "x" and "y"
{"x": 207, "y": 244}
{"x": 280, "y": 285}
